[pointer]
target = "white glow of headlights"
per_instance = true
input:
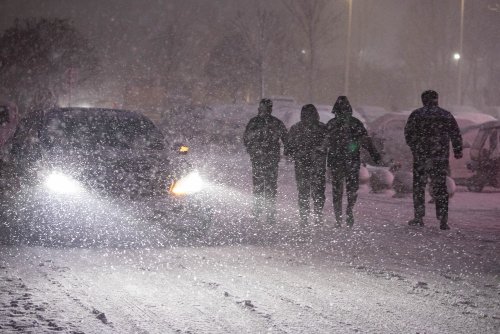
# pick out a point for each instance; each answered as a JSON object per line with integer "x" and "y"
{"x": 190, "y": 184}
{"x": 62, "y": 184}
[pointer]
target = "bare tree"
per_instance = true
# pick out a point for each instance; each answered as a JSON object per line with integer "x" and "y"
{"x": 176, "y": 45}
{"x": 169, "y": 42}
{"x": 428, "y": 42}
{"x": 44, "y": 58}
{"x": 481, "y": 49}
{"x": 431, "y": 37}
{"x": 312, "y": 17}
{"x": 230, "y": 69}
{"x": 262, "y": 32}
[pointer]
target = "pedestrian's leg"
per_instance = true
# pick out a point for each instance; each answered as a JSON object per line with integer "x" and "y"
{"x": 352, "y": 186}
{"x": 258, "y": 188}
{"x": 419, "y": 182}
{"x": 318, "y": 193}
{"x": 271, "y": 190}
{"x": 438, "y": 176}
{"x": 337, "y": 190}
{"x": 302, "y": 177}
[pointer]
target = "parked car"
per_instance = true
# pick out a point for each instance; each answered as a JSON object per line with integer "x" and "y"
{"x": 389, "y": 131}
{"x": 371, "y": 113}
{"x": 485, "y": 157}
{"x": 81, "y": 170}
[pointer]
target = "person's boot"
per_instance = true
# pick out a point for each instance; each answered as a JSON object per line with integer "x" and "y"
{"x": 416, "y": 222}
{"x": 338, "y": 220}
{"x": 351, "y": 201}
{"x": 349, "y": 219}
{"x": 442, "y": 215}
{"x": 443, "y": 225}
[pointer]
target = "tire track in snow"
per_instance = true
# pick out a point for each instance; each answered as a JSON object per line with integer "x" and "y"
{"x": 47, "y": 306}
{"x": 126, "y": 311}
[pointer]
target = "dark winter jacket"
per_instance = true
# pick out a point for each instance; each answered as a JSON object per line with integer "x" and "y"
{"x": 306, "y": 137}
{"x": 344, "y": 139}
{"x": 429, "y": 130}
{"x": 262, "y": 136}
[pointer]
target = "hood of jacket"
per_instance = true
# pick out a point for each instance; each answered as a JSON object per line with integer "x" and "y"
{"x": 342, "y": 108}
{"x": 309, "y": 114}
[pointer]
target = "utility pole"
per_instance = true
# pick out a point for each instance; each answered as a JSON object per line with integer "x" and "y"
{"x": 348, "y": 48}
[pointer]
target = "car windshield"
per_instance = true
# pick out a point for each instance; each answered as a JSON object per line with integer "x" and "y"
{"x": 94, "y": 129}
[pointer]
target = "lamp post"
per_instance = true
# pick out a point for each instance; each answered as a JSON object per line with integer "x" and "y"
{"x": 348, "y": 48}
{"x": 458, "y": 55}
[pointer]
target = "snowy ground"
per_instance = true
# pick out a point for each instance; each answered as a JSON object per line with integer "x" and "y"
{"x": 381, "y": 276}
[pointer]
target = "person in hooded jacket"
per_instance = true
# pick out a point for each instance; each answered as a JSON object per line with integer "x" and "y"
{"x": 345, "y": 137}
{"x": 261, "y": 138}
{"x": 428, "y": 133}
{"x": 304, "y": 147}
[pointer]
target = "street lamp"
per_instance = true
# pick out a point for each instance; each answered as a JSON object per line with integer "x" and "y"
{"x": 458, "y": 55}
{"x": 348, "y": 48}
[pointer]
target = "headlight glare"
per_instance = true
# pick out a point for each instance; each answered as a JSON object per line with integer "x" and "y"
{"x": 189, "y": 184}
{"x": 60, "y": 183}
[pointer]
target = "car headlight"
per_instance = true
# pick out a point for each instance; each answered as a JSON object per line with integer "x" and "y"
{"x": 61, "y": 183}
{"x": 189, "y": 184}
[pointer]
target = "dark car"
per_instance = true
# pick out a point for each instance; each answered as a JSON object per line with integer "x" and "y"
{"x": 485, "y": 157}
{"x": 100, "y": 174}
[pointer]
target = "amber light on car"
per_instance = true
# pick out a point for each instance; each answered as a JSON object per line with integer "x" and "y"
{"x": 183, "y": 149}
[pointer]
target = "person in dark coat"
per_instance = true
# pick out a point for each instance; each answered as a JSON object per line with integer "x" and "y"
{"x": 262, "y": 137}
{"x": 304, "y": 147}
{"x": 345, "y": 137}
{"x": 428, "y": 133}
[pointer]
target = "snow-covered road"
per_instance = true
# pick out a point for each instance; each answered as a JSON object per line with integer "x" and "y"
{"x": 381, "y": 276}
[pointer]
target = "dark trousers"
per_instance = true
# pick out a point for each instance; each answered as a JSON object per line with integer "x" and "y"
{"x": 348, "y": 172}
{"x": 310, "y": 178}
{"x": 265, "y": 185}
{"x": 436, "y": 171}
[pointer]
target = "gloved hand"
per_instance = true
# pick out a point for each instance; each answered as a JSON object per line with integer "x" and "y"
{"x": 377, "y": 159}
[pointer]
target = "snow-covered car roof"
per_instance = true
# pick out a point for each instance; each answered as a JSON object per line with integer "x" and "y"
{"x": 475, "y": 117}
{"x": 370, "y": 113}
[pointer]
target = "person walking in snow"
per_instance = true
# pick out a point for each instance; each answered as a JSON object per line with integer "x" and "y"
{"x": 304, "y": 147}
{"x": 428, "y": 133}
{"x": 345, "y": 136}
{"x": 262, "y": 137}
